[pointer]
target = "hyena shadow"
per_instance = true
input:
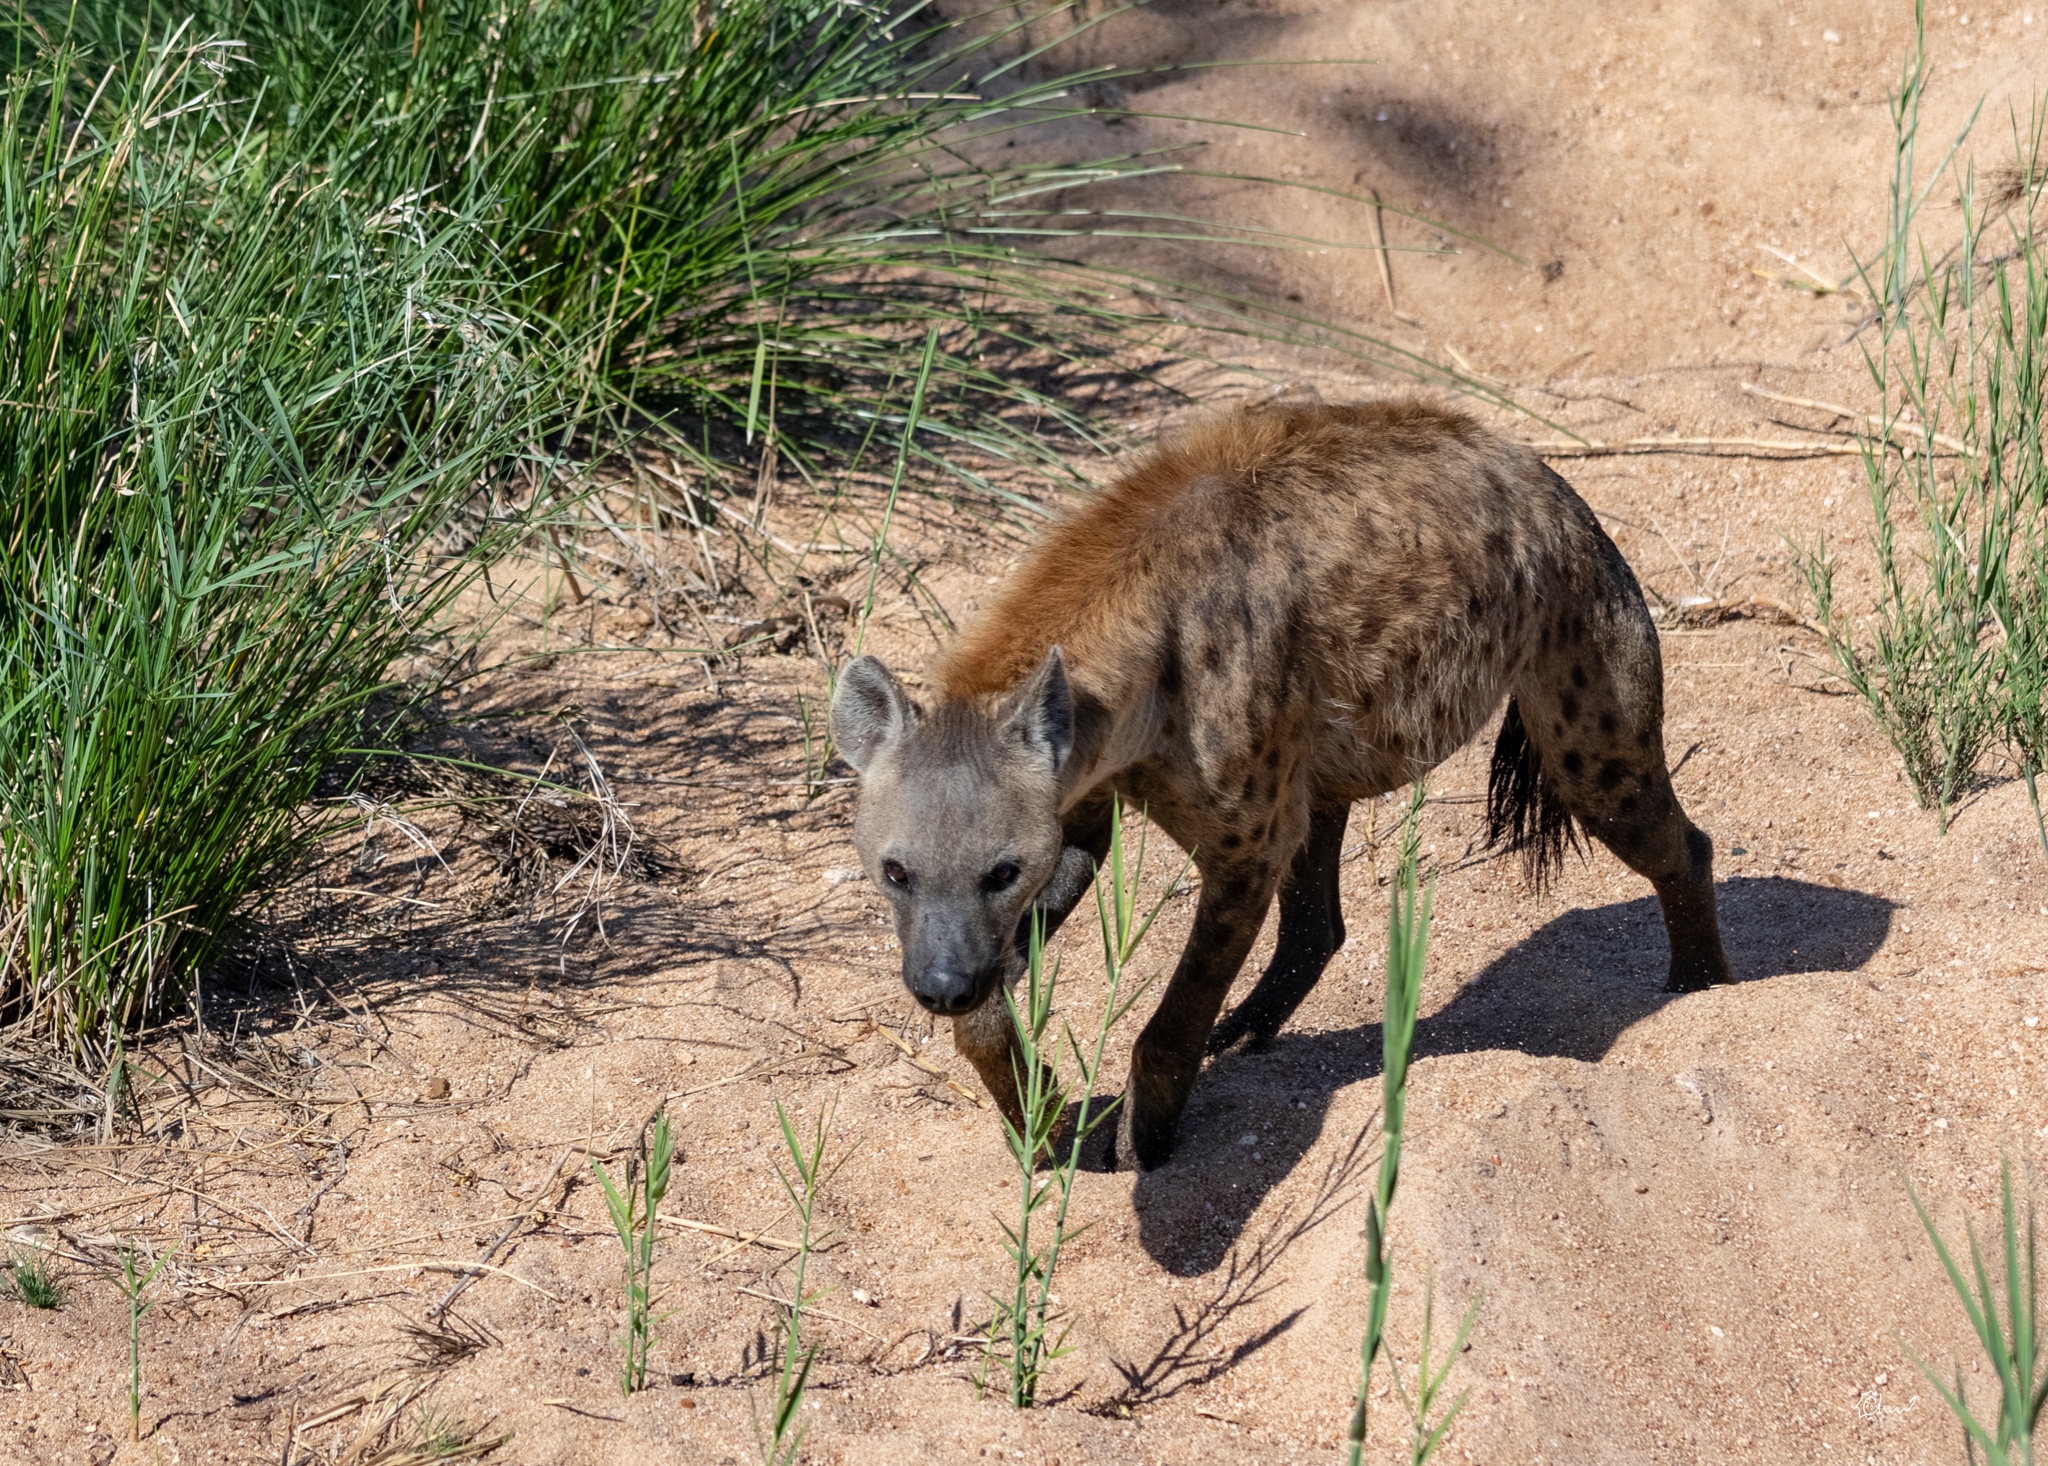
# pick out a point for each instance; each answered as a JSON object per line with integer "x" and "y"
{"x": 1568, "y": 991}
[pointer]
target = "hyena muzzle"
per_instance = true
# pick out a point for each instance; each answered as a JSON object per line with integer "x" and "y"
{"x": 1276, "y": 614}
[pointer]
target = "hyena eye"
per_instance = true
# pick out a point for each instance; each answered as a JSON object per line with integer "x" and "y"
{"x": 894, "y": 873}
{"x": 1001, "y": 878}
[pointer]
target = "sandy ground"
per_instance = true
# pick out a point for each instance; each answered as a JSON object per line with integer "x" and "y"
{"x": 1685, "y": 1220}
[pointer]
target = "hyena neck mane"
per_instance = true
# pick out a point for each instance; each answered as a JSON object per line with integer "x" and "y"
{"x": 1092, "y": 587}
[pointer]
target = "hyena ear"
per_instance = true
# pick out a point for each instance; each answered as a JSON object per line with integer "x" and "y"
{"x": 1043, "y": 719}
{"x": 869, "y": 711}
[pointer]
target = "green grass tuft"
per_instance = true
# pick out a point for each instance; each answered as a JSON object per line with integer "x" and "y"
{"x": 1949, "y": 658}
{"x": 781, "y": 1436}
{"x": 34, "y": 1279}
{"x": 134, "y": 1285}
{"x": 1407, "y": 951}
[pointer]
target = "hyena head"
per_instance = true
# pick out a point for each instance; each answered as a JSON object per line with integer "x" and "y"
{"x": 959, "y": 820}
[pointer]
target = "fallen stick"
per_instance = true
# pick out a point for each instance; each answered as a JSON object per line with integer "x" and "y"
{"x": 1705, "y": 611}
{"x": 1909, "y": 430}
{"x": 1705, "y": 447}
{"x": 747, "y": 1239}
{"x": 1379, "y": 231}
{"x": 812, "y": 1308}
{"x": 273, "y": 1229}
{"x": 429, "y": 1265}
{"x": 484, "y": 1263}
{"x": 753, "y": 1070}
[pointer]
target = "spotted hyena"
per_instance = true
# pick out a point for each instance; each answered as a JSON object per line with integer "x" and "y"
{"x": 1277, "y": 613}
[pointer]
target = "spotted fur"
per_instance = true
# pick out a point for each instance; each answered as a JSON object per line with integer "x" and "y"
{"x": 1275, "y": 614}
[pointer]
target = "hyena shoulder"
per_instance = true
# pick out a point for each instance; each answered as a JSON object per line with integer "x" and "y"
{"x": 1104, "y": 572}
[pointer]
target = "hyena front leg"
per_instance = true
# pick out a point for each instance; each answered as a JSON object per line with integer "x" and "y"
{"x": 986, "y": 1038}
{"x": 1168, "y": 1053}
{"x": 1311, "y": 931}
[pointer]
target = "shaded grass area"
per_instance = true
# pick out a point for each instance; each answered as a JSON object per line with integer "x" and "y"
{"x": 749, "y": 216}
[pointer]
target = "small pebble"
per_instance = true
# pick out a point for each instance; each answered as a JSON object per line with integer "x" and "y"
{"x": 437, "y": 1088}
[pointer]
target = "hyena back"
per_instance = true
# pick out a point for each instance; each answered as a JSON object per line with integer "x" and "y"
{"x": 1277, "y": 614}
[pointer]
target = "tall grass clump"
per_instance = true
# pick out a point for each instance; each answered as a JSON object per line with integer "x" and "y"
{"x": 741, "y": 218}
{"x": 2004, "y": 1314}
{"x": 1026, "y": 1333}
{"x": 1949, "y": 657}
{"x": 246, "y": 428}
{"x": 1407, "y": 950}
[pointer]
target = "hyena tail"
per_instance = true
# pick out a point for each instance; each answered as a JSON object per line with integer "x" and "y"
{"x": 1522, "y": 807}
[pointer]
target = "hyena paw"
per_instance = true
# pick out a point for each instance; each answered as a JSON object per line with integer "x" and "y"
{"x": 1226, "y": 1034}
{"x": 1696, "y": 979}
{"x": 1138, "y": 1146}
{"x": 1240, "y": 1028}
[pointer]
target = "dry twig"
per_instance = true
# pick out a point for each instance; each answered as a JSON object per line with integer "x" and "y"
{"x": 918, "y": 1061}
{"x": 1899, "y": 430}
{"x": 483, "y": 1263}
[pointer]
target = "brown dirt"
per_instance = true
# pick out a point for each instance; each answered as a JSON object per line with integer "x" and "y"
{"x": 1685, "y": 1219}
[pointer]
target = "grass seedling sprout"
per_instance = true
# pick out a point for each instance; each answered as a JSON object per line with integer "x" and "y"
{"x": 2005, "y": 1317}
{"x": 133, "y": 1285}
{"x": 633, "y": 1210}
{"x": 33, "y": 1279}
{"x": 1407, "y": 948}
{"x": 1026, "y": 1335}
{"x": 783, "y": 1435}
{"x": 1427, "y": 1433}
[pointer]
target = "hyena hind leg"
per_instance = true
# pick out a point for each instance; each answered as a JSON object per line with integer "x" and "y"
{"x": 1311, "y": 931}
{"x": 1583, "y": 741}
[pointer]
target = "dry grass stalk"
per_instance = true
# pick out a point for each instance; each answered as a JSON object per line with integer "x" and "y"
{"x": 918, "y": 1061}
{"x": 1904, "y": 431}
{"x": 1703, "y": 447}
{"x": 1379, "y": 234}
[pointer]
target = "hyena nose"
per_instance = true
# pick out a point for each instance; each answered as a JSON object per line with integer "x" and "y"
{"x": 944, "y": 990}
